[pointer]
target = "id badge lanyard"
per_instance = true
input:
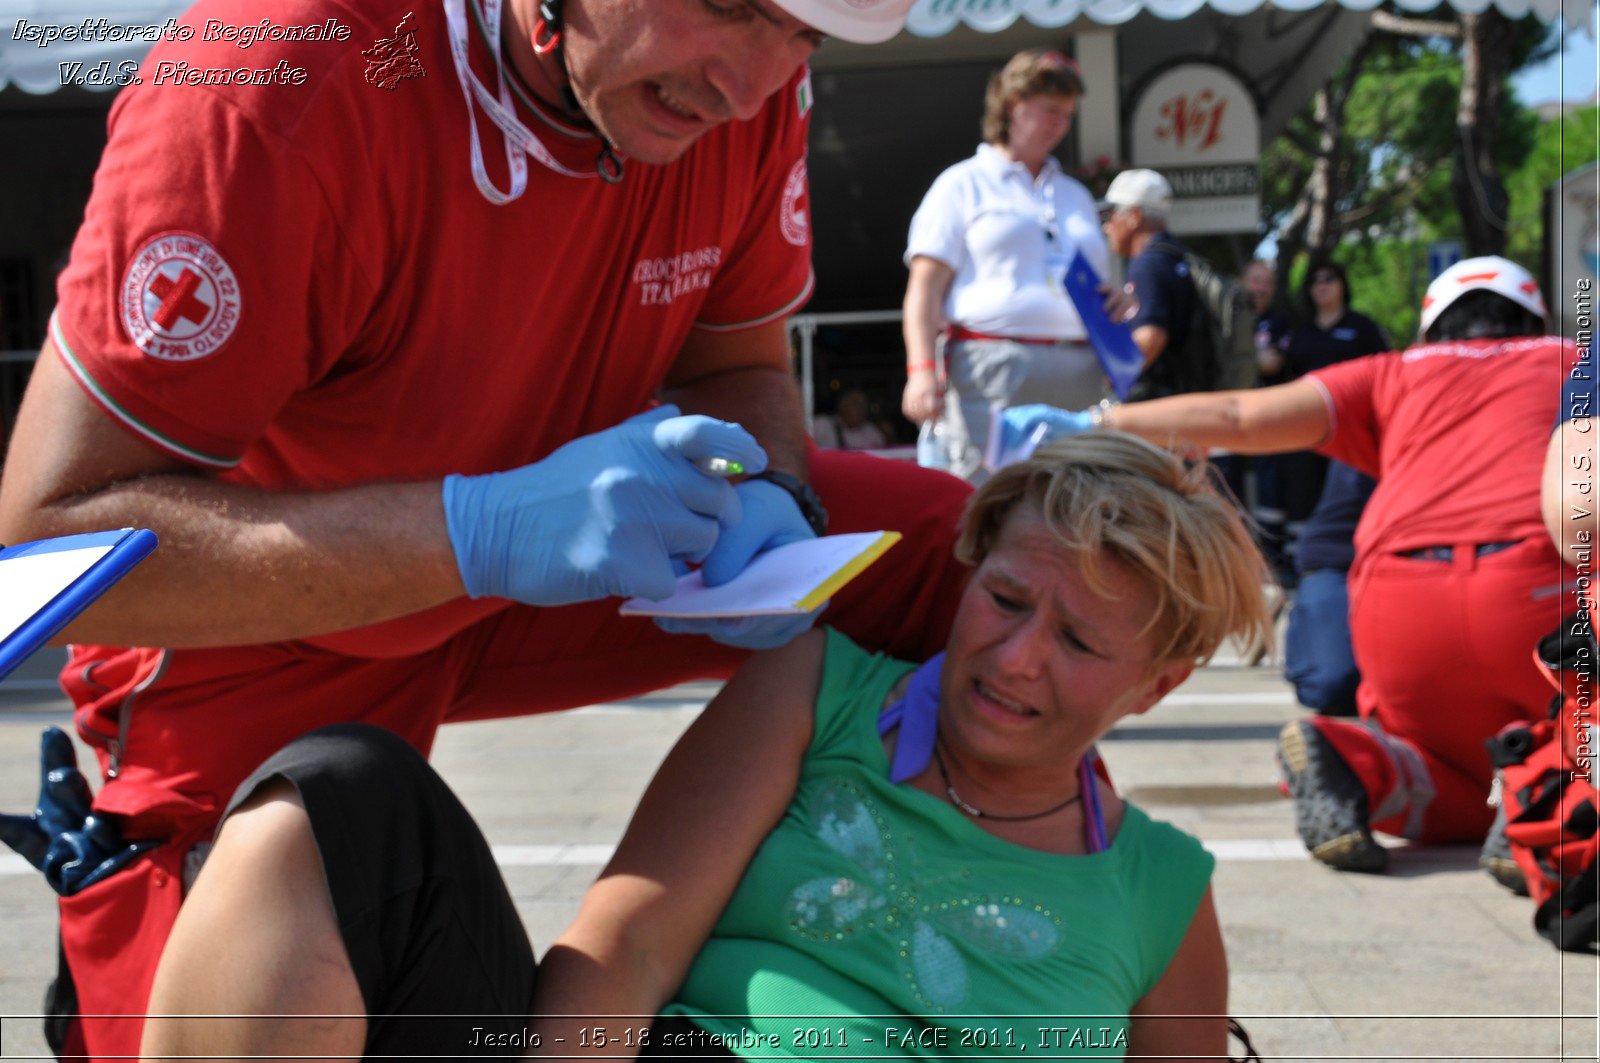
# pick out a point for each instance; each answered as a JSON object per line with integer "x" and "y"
{"x": 519, "y": 139}
{"x": 1057, "y": 253}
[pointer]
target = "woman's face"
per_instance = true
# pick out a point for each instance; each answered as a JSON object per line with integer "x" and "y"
{"x": 1261, "y": 284}
{"x": 1038, "y": 123}
{"x": 1039, "y": 666}
{"x": 1327, "y": 291}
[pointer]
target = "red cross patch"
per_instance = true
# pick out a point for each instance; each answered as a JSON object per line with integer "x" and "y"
{"x": 793, "y": 218}
{"x": 180, "y": 298}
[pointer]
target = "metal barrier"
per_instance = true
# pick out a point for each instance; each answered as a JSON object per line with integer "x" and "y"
{"x": 804, "y": 326}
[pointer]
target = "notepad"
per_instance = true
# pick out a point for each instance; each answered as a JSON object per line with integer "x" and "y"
{"x": 44, "y": 584}
{"x": 795, "y": 578}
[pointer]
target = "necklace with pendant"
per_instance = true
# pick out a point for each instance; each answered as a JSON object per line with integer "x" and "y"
{"x": 977, "y": 813}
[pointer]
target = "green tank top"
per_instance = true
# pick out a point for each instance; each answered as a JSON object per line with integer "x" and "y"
{"x": 876, "y": 920}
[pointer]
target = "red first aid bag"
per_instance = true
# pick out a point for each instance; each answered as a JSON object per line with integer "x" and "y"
{"x": 1546, "y": 780}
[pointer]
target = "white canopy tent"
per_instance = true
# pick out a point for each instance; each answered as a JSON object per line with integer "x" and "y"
{"x": 37, "y": 69}
{"x": 934, "y": 18}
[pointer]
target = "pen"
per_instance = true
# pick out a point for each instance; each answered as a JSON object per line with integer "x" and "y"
{"x": 720, "y": 466}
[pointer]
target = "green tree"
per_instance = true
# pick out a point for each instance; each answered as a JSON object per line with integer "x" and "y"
{"x": 1559, "y": 146}
{"x": 1369, "y": 174}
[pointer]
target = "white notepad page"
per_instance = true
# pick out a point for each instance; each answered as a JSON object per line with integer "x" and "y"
{"x": 32, "y": 581}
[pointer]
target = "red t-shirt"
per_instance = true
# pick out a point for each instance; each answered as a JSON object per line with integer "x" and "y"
{"x": 1455, "y": 433}
{"x": 300, "y": 285}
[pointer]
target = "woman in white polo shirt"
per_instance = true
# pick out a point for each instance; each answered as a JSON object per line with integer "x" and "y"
{"x": 988, "y": 250}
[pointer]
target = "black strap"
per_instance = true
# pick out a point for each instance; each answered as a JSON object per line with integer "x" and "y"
{"x": 1170, "y": 248}
{"x": 1235, "y": 1029}
{"x": 1568, "y": 918}
{"x": 1571, "y": 644}
{"x": 1541, "y": 797}
{"x": 61, "y": 1007}
{"x": 1583, "y": 821}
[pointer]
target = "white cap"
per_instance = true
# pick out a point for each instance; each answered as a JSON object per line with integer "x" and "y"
{"x": 1489, "y": 273}
{"x": 1144, "y": 189}
{"x": 856, "y": 21}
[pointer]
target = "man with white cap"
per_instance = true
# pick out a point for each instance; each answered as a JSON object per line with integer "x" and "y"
{"x": 1455, "y": 579}
{"x": 1134, "y": 216}
{"x": 374, "y": 341}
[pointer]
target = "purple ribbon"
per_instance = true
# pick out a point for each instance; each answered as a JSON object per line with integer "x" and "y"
{"x": 917, "y": 716}
{"x": 1094, "y": 817}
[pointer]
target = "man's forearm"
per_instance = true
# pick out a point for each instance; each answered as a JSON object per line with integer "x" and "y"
{"x": 1210, "y": 420}
{"x": 238, "y": 565}
{"x": 922, "y": 322}
{"x": 1270, "y": 420}
{"x": 765, "y": 400}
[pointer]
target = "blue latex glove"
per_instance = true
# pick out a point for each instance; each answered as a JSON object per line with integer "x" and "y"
{"x": 606, "y": 514}
{"x": 770, "y": 519}
{"x": 1020, "y": 424}
{"x": 74, "y": 846}
{"x": 745, "y": 632}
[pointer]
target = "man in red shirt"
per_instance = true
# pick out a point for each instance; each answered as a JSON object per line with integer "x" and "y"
{"x": 367, "y": 320}
{"x": 1454, "y": 579}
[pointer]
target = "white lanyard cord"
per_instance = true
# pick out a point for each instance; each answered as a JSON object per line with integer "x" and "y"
{"x": 519, "y": 139}
{"x": 1049, "y": 218}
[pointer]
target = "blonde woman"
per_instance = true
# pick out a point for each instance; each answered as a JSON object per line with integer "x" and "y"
{"x": 922, "y": 857}
{"x": 987, "y": 253}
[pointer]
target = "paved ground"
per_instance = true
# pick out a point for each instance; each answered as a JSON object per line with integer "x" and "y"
{"x": 1431, "y": 961}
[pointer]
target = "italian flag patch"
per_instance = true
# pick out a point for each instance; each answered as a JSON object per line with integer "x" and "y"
{"x": 802, "y": 95}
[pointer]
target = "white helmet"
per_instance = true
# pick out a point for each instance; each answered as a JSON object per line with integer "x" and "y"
{"x": 856, "y": 21}
{"x": 1489, "y": 273}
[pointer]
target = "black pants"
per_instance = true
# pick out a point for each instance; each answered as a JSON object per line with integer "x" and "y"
{"x": 441, "y": 956}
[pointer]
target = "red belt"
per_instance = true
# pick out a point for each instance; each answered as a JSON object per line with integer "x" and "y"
{"x": 958, "y": 332}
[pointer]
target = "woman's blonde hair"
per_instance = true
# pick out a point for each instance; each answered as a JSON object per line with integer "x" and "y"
{"x": 1162, "y": 518}
{"x": 1031, "y": 72}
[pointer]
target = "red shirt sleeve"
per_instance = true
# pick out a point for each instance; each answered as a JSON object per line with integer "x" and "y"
{"x": 766, "y": 274}
{"x": 1351, "y": 389}
{"x": 208, "y": 282}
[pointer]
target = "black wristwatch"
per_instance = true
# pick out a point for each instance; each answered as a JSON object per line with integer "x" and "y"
{"x": 810, "y": 505}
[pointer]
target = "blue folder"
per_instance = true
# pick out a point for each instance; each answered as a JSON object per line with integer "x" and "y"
{"x": 79, "y": 587}
{"x": 1113, "y": 343}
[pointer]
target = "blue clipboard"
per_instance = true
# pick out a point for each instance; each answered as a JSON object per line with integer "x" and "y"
{"x": 1113, "y": 343}
{"x": 84, "y": 568}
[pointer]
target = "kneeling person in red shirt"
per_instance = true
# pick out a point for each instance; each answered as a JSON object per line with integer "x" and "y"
{"x": 1454, "y": 579}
